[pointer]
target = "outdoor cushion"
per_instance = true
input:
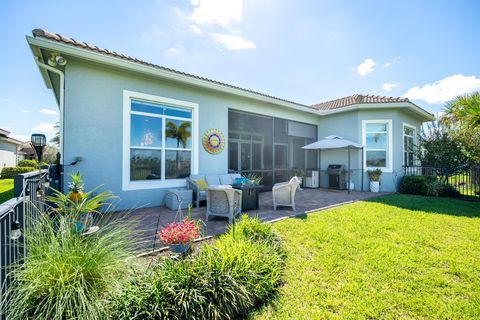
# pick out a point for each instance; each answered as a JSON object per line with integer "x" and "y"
{"x": 226, "y": 179}
{"x": 213, "y": 180}
{"x": 197, "y": 177}
{"x": 201, "y": 184}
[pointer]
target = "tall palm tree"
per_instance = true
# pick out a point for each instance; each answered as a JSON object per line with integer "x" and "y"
{"x": 465, "y": 109}
{"x": 181, "y": 133}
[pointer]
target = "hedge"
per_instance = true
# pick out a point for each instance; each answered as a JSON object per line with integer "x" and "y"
{"x": 10, "y": 172}
{"x": 415, "y": 185}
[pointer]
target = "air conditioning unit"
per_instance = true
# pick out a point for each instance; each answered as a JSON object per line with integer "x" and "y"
{"x": 312, "y": 179}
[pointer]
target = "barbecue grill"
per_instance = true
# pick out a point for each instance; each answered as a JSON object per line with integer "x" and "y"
{"x": 336, "y": 176}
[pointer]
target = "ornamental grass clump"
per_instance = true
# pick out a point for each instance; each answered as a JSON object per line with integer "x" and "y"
{"x": 225, "y": 280}
{"x": 182, "y": 232}
{"x": 66, "y": 275}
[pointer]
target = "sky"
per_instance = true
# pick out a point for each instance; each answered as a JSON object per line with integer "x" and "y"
{"x": 304, "y": 51}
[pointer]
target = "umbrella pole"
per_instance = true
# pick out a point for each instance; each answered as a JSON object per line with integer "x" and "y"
{"x": 348, "y": 174}
{"x": 362, "y": 168}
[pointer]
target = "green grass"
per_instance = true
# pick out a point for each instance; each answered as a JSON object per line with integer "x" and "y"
{"x": 394, "y": 257}
{"x": 6, "y": 190}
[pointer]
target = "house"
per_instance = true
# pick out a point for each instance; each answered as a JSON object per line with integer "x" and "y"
{"x": 141, "y": 128}
{"x": 8, "y": 149}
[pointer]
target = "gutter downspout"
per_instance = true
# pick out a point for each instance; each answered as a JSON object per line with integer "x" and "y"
{"x": 61, "y": 101}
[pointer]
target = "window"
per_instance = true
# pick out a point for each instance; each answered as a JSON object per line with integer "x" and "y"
{"x": 408, "y": 145}
{"x": 159, "y": 137}
{"x": 377, "y": 140}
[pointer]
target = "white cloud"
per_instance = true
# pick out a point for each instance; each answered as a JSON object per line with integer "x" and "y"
{"x": 366, "y": 67}
{"x": 444, "y": 90}
{"x": 389, "y": 86}
{"x": 390, "y": 63}
{"x": 49, "y": 112}
{"x": 196, "y": 29}
{"x": 220, "y": 12}
{"x": 233, "y": 42}
{"x": 44, "y": 127}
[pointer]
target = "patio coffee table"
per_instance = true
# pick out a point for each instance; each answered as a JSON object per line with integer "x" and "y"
{"x": 249, "y": 195}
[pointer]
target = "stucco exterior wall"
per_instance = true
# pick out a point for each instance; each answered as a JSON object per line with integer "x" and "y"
{"x": 93, "y": 124}
{"x": 349, "y": 126}
{"x": 8, "y": 154}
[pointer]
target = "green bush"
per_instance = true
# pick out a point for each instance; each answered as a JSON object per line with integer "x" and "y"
{"x": 27, "y": 163}
{"x": 226, "y": 280}
{"x": 66, "y": 275}
{"x": 10, "y": 172}
{"x": 415, "y": 185}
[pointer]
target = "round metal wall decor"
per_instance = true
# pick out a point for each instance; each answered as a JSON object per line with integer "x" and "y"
{"x": 213, "y": 141}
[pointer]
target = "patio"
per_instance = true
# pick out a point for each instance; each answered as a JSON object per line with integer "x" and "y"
{"x": 307, "y": 200}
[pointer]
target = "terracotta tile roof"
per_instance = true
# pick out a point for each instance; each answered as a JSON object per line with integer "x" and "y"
{"x": 40, "y": 33}
{"x": 356, "y": 99}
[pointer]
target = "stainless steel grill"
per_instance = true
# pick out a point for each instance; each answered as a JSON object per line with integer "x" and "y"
{"x": 336, "y": 176}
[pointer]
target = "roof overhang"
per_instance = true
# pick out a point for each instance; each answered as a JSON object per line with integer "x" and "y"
{"x": 426, "y": 116}
{"x": 11, "y": 140}
{"x": 36, "y": 44}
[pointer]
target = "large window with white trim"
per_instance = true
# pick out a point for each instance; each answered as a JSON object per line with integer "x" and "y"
{"x": 160, "y": 141}
{"x": 377, "y": 141}
{"x": 409, "y": 133}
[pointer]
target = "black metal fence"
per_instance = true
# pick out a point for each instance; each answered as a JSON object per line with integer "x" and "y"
{"x": 463, "y": 184}
{"x": 29, "y": 191}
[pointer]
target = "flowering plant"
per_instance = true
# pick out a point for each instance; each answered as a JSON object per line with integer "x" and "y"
{"x": 181, "y": 232}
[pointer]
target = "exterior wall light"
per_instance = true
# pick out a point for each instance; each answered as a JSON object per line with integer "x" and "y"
{"x": 15, "y": 231}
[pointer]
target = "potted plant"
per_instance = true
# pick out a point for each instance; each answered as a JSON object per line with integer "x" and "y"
{"x": 374, "y": 176}
{"x": 299, "y": 173}
{"x": 179, "y": 235}
{"x": 253, "y": 178}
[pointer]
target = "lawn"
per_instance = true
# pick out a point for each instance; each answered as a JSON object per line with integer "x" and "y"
{"x": 392, "y": 257}
{"x": 6, "y": 190}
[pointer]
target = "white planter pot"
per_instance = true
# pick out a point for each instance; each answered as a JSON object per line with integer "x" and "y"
{"x": 350, "y": 186}
{"x": 374, "y": 186}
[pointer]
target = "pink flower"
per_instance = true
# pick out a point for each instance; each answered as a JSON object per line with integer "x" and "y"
{"x": 179, "y": 232}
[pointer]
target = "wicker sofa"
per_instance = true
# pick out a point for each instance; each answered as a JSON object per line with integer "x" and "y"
{"x": 211, "y": 180}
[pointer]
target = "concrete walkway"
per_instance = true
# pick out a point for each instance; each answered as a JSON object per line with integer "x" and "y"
{"x": 307, "y": 200}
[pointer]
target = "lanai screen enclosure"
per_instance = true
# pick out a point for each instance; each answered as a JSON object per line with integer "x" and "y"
{"x": 336, "y": 142}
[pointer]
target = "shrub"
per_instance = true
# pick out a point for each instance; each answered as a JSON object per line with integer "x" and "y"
{"x": 415, "y": 185}
{"x": 10, "y": 172}
{"x": 27, "y": 163}
{"x": 66, "y": 275}
{"x": 225, "y": 280}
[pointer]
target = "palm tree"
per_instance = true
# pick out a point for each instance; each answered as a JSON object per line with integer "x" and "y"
{"x": 465, "y": 109}
{"x": 181, "y": 133}
{"x": 56, "y": 137}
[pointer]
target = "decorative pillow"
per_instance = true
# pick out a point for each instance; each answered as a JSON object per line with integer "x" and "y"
{"x": 201, "y": 184}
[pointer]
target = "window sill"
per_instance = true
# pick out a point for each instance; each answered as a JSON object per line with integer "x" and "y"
{"x": 154, "y": 184}
{"x": 375, "y": 168}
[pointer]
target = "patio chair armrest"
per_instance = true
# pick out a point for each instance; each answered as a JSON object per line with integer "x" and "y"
{"x": 192, "y": 185}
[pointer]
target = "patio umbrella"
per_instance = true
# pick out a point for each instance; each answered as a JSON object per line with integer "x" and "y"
{"x": 336, "y": 142}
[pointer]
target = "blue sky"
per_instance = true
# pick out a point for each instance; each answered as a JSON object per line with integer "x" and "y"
{"x": 305, "y": 51}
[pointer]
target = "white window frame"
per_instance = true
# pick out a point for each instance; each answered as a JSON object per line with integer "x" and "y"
{"x": 403, "y": 140}
{"x": 128, "y": 96}
{"x": 389, "y": 164}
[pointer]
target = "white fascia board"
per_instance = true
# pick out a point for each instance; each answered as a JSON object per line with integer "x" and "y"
{"x": 38, "y": 54}
{"x": 390, "y": 105}
{"x": 150, "y": 70}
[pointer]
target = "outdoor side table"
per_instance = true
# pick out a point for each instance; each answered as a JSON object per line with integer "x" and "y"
{"x": 175, "y": 197}
{"x": 249, "y": 195}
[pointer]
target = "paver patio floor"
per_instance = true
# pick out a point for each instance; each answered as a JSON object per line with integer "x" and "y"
{"x": 146, "y": 219}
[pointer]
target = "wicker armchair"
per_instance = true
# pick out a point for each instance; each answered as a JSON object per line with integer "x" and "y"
{"x": 224, "y": 201}
{"x": 284, "y": 193}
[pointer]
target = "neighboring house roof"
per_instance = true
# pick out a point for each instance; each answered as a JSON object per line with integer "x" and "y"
{"x": 338, "y": 105}
{"x": 356, "y": 99}
{"x": 4, "y": 135}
